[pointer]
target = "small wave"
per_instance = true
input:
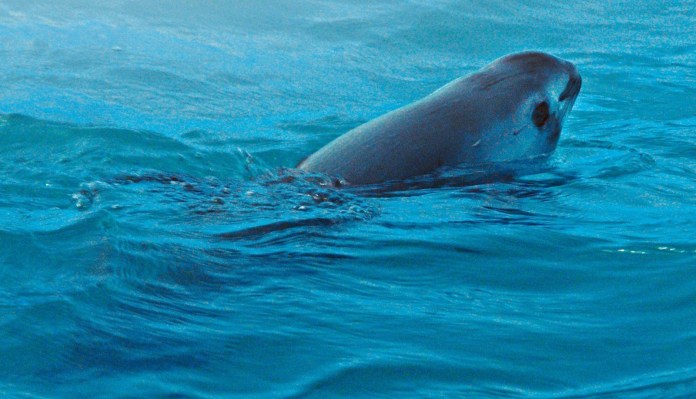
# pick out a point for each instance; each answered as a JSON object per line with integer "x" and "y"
{"x": 45, "y": 148}
{"x": 277, "y": 226}
{"x": 672, "y": 384}
{"x": 609, "y": 160}
{"x": 630, "y": 163}
{"x": 379, "y": 378}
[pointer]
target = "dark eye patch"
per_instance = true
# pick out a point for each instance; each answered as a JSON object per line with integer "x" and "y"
{"x": 541, "y": 114}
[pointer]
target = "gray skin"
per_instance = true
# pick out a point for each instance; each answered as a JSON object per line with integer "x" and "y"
{"x": 488, "y": 116}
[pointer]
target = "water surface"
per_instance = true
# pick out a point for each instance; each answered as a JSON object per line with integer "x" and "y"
{"x": 152, "y": 245}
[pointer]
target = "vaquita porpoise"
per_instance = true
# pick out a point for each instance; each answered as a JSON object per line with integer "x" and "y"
{"x": 512, "y": 109}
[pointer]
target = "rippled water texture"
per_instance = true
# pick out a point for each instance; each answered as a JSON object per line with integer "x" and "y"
{"x": 153, "y": 242}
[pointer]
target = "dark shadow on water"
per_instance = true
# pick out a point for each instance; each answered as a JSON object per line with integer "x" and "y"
{"x": 518, "y": 174}
{"x": 287, "y": 206}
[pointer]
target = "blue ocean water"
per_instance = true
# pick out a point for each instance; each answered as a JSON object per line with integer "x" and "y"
{"x": 153, "y": 245}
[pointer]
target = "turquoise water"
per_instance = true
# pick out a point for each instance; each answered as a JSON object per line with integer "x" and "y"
{"x": 152, "y": 245}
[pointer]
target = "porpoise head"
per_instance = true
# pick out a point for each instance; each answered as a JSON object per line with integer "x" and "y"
{"x": 512, "y": 109}
{"x": 525, "y": 97}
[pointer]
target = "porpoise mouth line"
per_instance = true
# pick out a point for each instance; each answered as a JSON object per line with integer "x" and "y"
{"x": 572, "y": 88}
